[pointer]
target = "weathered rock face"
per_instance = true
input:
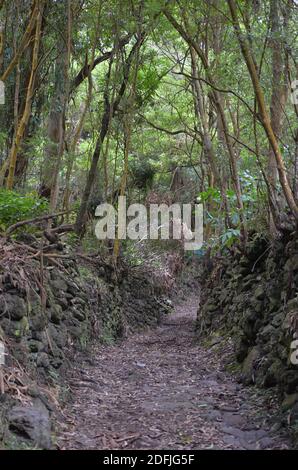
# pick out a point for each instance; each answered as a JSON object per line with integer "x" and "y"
{"x": 42, "y": 323}
{"x": 32, "y": 424}
{"x": 254, "y": 298}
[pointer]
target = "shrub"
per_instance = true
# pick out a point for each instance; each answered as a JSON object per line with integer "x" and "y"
{"x": 15, "y": 207}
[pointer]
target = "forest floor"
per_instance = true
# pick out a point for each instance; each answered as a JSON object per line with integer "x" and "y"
{"x": 162, "y": 390}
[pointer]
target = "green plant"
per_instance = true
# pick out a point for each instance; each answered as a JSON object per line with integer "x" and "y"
{"x": 15, "y": 207}
{"x": 229, "y": 237}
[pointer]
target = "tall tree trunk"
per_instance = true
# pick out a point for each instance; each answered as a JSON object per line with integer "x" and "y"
{"x": 218, "y": 105}
{"x": 73, "y": 147}
{"x": 128, "y": 120}
{"x": 207, "y": 142}
{"x": 2, "y": 39}
{"x": 36, "y": 9}
{"x": 27, "y": 110}
{"x": 278, "y": 99}
{"x": 56, "y": 121}
{"x": 82, "y": 215}
{"x": 265, "y": 118}
{"x": 295, "y": 189}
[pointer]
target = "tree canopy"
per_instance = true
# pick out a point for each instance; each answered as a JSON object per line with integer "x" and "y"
{"x": 197, "y": 99}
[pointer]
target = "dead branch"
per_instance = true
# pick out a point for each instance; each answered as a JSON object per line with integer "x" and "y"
{"x": 35, "y": 220}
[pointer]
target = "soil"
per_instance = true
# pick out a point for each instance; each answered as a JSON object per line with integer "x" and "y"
{"x": 161, "y": 389}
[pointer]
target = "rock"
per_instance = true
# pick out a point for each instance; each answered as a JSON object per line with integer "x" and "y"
{"x": 43, "y": 360}
{"x": 34, "y": 304}
{"x": 251, "y": 316}
{"x": 265, "y": 443}
{"x": 256, "y": 248}
{"x": 249, "y": 365}
{"x": 289, "y": 401}
{"x": 57, "y": 362}
{"x": 273, "y": 374}
{"x": 31, "y": 423}
{"x": 75, "y": 331}
{"x": 267, "y": 333}
{"x": 241, "y": 347}
{"x": 73, "y": 288}
{"x": 234, "y": 431}
{"x": 292, "y": 263}
{"x": 277, "y": 320}
{"x": 259, "y": 310}
{"x": 58, "y": 334}
{"x": 293, "y": 416}
{"x": 257, "y": 305}
{"x": 35, "y": 346}
{"x": 78, "y": 301}
{"x": 38, "y": 322}
{"x": 259, "y": 293}
{"x": 21, "y": 327}
{"x": 21, "y": 351}
{"x": 289, "y": 380}
{"x": 13, "y": 306}
{"x": 233, "y": 419}
{"x": 79, "y": 314}
{"x": 56, "y": 314}
{"x": 58, "y": 284}
{"x": 209, "y": 307}
{"x": 63, "y": 303}
{"x": 292, "y": 305}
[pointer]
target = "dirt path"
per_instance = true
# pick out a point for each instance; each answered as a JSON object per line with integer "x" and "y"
{"x": 161, "y": 390}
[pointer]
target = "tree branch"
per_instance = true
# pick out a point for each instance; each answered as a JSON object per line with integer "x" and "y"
{"x": 14, "y": 227}
{"x": 85, "y": 71}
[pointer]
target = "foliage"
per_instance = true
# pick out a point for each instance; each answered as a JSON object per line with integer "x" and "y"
{"x": 167, "y": 127}
{"x": 15, "y": 207}
{"x": 143, "y": 174}
{"x": 229, "y": 237}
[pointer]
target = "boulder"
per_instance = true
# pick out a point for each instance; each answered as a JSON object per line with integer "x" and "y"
{"x": 56, "y": 314}
{"x": 43, "y": 360}
{"x": 259, "y": 293}
{"x": 13, "y": 306}
{"x": 289, "y": 401}
{"x": 249, "y": 365}
{"x": 58, "y": 284}
{"x": 31, "y": 424}
{"x": 292, "y": 263}
{"x": 273, "y": 374}
{"x": 79, "y": 314}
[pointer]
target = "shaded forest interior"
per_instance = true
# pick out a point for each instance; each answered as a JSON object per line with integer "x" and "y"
{"x": 163, "y": 102}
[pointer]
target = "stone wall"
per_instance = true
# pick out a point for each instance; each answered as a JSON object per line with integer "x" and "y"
{"x": 254, "y": 299}
{"x": 45, "y": 316}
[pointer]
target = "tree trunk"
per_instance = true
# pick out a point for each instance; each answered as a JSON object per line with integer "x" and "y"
{"x": 207, "y": 142}
{"x": 295, "y": 185}
{"x": 128, "y": 120}
{"x": 217, "y": 102}
{"x": 56, "y": 121}
{"x": 27, "y": 110}
{"x": 265, "y": 119}
{"x": 82, "y": 215}
{"x": 37, "y": 8}
{"x": 278, "y": 100}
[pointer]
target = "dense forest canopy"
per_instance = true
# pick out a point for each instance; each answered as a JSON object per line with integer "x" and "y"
{"x": 139, "y": 328}
{"x": 193, "y": 101}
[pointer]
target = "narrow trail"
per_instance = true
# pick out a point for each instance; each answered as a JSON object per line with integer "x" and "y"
{"x": 162, "y": 390}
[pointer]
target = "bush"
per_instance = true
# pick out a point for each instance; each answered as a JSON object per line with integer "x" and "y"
{"x": 15, "y": 207}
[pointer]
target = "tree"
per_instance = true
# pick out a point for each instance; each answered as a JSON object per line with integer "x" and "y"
{"x": 264, "y": 115}
{"x": 26, "y": 114}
